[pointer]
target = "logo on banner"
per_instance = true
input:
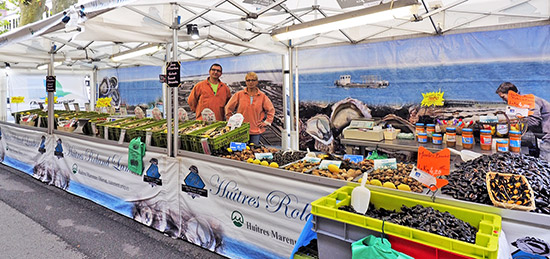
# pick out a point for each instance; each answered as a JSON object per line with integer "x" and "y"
{"x": 237, "y": 218}
{"x": 58, "y": 152}
{"x": 42, "y": 146}
{"x": 75, "y": 168}
{"x": 152, "y": 176}
{"x": 193, "y": 184}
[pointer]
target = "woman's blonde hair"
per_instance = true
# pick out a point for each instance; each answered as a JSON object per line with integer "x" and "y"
{"x": 251, "y": 74}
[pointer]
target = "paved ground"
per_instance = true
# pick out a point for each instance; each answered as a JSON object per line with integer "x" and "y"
{"x": 41, "y": 221}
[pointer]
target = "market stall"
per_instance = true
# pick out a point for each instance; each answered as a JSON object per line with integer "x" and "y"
{"x": 244, "y": 208}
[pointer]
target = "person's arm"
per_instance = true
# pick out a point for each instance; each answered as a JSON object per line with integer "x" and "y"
{"x": 192, "y": 100}
{"x": 231, "y": 105}
{"x": 269, "y": 109}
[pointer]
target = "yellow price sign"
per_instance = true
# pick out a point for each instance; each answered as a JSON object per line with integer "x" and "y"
{"x": 17, "y": 99}
{"x": 54, "y": 100}
{"x": 432, "y": 98}
{"x": 104, "y": 102}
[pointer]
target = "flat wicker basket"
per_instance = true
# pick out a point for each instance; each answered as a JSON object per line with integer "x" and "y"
{"x": 66, "y": 129}
{"x": 527, "y": 203}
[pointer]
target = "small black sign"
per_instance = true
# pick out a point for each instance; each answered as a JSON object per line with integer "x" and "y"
{"x": 195, "y": 190}
{"x": 173, "y": 74}
{"x": 162, "y": 78}
{"x": 50, "y": 83}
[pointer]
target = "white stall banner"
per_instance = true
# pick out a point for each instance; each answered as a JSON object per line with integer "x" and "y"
{"x": 100, "y": 172}
{"x": 23, "y": 149}
{"x": 249, "y": 215}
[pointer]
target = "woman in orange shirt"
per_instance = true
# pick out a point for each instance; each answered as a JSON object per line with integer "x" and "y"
{"x": 254, "y": 105}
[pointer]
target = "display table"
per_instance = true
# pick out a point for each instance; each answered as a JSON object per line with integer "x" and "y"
{"x": 240, "y": 207}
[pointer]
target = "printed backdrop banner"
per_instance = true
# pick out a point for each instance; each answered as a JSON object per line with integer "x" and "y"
{"x": 100, "y": 172}
{"x": 24, "y": 149}
{"x": 240, "y": 213}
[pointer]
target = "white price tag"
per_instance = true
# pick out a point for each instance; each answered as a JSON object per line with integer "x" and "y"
{"x": 106, "y": 133}
{"x": 235, "y": 121}
{"x": 94, "y": 129}
{"x": 262, "y": 156}
{"x": 515, "y": 111}
{"x": 122, "y": 134}
{"x": 324, "y": 164}
{"x": 423, "y": 177}
{"x": 311, "y": 159}
{"x": 390, "y": 163}
{"x": 148, "y": 135}
{"x": 208, "y": 115}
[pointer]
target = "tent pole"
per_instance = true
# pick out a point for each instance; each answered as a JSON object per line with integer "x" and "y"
{"x": 296, "y": 98}
{"x": 285, "y": 130}
{"x": 293, "y": 134}
{"x": 51, "y": 98}
{"x": 168, "y": 104}
{"x": 175, "y": 28}
{"x": 93, "y": 89}
{"x": 3, "y": 95}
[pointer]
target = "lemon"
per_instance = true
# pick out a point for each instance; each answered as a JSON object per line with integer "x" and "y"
{"x": 376, "y": 182}
{"x": 361, "y": 180}
{"x": 229, "y": 150}
{"x": 56, "y": 115}
{"x": 333, "y": 168}
{"x": 274, "y": 165}
{"x": 256, "y": 161}
{"x": 247, "y": 148}
{"x": 389, "y": 185}
{"x": 250, "y": 160}
{"x": 27, "y": 113}
{"x": 404, "y": 187}
{"x": 264, "y": 163}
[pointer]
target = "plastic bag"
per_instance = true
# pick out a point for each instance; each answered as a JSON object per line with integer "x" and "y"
{"x": 375, "y": 247}
{"x": 374, "y": 155}
{"x": 136, "y": 152}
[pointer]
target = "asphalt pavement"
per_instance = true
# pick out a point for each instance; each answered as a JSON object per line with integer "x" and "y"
{"x": 42, "y": 221}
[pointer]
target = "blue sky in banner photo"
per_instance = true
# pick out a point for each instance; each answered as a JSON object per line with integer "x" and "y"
{"x": 466, "y": 66}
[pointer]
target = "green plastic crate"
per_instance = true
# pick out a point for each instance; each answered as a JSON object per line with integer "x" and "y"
{"x": 191, "y": 141}
{"x": 114, "y": 132}
{"x": 488, "y": 225}
{"x": 100, "y": 127}
{"x": 240, "y": 134}
{"x": 141, "y": 131}
{"x": 158, "y": 138}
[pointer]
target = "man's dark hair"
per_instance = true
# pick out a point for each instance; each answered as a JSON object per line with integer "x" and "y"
{"x": 216, "y": 65}
{"x": 505, "y": 87}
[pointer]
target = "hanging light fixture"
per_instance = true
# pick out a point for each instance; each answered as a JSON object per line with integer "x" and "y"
{"x": 383, "y": 12}
{"x": 144, "y": 50}
{"x": 193, "y": 30}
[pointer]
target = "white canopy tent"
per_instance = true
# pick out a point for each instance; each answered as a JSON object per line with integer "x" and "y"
{"x": 238, "y": 27}
{"x": 232, "y": 28}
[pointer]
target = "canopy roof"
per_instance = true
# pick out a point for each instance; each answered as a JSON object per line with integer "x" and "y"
{"x": 237, "y": 27}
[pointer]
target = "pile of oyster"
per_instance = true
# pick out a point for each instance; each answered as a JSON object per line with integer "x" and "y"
{"x": 468, "y": 181}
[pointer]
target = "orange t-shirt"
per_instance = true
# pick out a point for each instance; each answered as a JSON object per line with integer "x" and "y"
{"x": 202, "y": 96}
{"x": 253, "y": 110}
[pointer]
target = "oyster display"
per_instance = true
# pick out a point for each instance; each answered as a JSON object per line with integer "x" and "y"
{"x": 346, "y": 110}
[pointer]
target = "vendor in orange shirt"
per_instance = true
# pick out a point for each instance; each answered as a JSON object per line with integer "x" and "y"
{"x": 254, "y": 105}
{"x": 210, "y": 93}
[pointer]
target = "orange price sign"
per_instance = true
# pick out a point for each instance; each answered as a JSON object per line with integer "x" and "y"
{"x": 435, "y": 164}
{"x": 521, "y": 101}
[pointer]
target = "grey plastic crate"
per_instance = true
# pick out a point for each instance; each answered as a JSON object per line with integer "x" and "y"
{"x": 334, "y": 238}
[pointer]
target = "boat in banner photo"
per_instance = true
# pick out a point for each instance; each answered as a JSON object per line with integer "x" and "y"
{"x": 368, "y": 81}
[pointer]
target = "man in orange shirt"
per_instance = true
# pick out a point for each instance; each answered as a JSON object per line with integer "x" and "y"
{"x": 254, "y": 105}
{"x": 210, "y": 93}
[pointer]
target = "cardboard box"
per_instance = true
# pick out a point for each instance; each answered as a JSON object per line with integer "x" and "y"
{"x": 363, "y": 134}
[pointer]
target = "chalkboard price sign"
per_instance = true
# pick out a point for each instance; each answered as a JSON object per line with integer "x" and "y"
{"x": 173, "y": 73}
{"x": 50, "y": 83}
